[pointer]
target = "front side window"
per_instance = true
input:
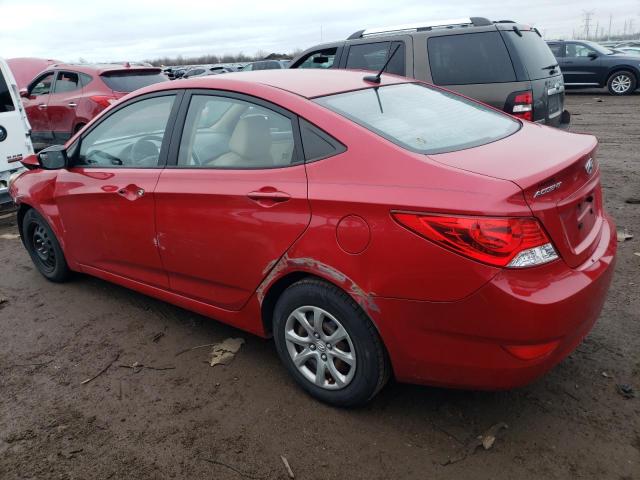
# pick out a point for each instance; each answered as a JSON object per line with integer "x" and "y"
{"x": 42, "y": 86}
{"x": 6, "y": 102}
{"x": 372, "y": 56}
{"x": 130, "y": 137}
{"x": 320, "y": 59}
{"x": 470, "y": 58}
{"x": 66, "y": 82}
{"x": 222, "y": 132}
{"x": 422, "y": 119}
{"x": 578, "y": 50}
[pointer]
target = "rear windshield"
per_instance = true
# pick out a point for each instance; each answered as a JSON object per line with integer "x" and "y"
{"x": 422, "y": 119}
{"x": 469, "y": 58}
{"x": 6, "y": 102}
{"x": 533, "y": 51}
{"x": 130, "y": 81}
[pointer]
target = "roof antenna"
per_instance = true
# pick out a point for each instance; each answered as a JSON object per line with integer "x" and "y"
{"x": 376, "y": 78}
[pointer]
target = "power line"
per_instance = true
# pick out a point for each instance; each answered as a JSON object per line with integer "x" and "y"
{"x": 586, "y": 22}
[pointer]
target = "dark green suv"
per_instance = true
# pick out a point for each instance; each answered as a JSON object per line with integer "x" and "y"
{"x": 503, "y": 64}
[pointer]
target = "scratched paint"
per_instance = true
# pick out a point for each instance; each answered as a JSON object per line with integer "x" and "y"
{"x": 312, "y": 265}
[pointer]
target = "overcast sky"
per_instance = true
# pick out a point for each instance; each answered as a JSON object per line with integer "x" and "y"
{"x": 140, "y": 29}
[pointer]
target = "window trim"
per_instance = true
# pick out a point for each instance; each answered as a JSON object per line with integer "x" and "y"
{"x": 297, "y": 157}
{"x": 340, "y": 147}
{"x": 164, "y": 148}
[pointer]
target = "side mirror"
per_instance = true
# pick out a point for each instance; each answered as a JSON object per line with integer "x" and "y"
{"x": 53, "y": 158}
{"x": 24, "y": 93}
{"x": 592, "y": 55}
{"x": 320, "y": 59}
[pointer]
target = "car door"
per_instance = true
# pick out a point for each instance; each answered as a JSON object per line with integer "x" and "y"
{"x": 234, "y": 200}
{"x": 106, "y": 197}
{"x": 36, "y": 104}
{"x": 581, "y": 65}
{"x": 63, "y": 104}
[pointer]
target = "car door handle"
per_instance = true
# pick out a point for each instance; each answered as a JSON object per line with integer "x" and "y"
{"x": 268, "y": 196}
{"x": 72, "y": 104}
{"x": 42, "y": 106}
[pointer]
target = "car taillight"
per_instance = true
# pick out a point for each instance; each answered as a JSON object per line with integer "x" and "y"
{"x": 522, "y": 105}
{"x": 103, "y": 100}
{"x": 514, "y": 242}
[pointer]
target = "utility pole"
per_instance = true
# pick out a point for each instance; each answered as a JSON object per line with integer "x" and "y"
{"x": 597, "y": 30}
{"x": 610, "y": 22}
{"x": 586, "y": 23}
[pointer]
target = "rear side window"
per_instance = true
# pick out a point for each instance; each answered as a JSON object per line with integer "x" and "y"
{"x": 123, "y": 81}
{"x": 557, "y": 49}
{"x": 317, "y": 144}
{"x": 320, "y": 59}
{"x": 6, "y": 102}
{"x": 371, "y": 56}
{"x": 533, "y": 51}
{"x": 67, "y": 82}
{"x": 421, "y": 118}
{"x": 469, "y": 58}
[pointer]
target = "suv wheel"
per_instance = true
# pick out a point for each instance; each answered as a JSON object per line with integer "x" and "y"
{"x": 43, "y": 247}
{"x": 328, "y": 344}
{"x": 621, "y": 83}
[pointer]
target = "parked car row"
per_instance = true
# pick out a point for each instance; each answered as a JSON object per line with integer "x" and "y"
{"x": 587, "y": 65}
{"x": 372, "y": 223}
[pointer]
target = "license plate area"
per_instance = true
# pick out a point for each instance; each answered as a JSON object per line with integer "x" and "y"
{"x": 580, "y": 214}
{"x": 553, "y": 102}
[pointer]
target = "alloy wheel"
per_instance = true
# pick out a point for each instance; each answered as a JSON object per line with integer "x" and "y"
{"x": 621, "y": 84}
{"x": 320, "y": 347}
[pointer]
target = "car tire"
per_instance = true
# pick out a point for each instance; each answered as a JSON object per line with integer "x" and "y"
{"x": 338, "y": 382}
{"x": 622, "y": 83}
{"x": 44, "y": 248}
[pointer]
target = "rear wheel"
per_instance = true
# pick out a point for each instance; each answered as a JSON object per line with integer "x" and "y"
{"x": 622, "y": 83}
{"x": 328, "y": 344}
{"x": 43, "y": 247}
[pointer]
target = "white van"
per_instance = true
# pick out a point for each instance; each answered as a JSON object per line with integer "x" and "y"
{"x": 15, "y": 132}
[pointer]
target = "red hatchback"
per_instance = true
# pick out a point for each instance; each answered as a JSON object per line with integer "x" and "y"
{"x": 371, "y": 229}
{"x": 65, "y": 97}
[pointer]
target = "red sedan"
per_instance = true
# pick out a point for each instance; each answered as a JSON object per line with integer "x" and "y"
{"x": 371, "y": 229}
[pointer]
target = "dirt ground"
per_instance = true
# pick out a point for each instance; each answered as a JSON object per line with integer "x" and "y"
{"x": 193, "y": 421}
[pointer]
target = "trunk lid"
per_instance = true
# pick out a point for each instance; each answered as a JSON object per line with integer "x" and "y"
{"x": 559, "y": 176}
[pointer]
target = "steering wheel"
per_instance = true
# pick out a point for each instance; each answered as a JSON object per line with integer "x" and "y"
{"x": 144, "y": 152}
{"x": 99, "y": 153}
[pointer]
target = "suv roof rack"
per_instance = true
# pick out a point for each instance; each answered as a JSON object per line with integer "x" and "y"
{"x": 422, "y": 26}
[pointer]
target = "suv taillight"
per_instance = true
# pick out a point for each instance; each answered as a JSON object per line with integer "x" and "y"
{"x": 520, "y": 104}
{"x": 103, "y": 100}
{"x": 514, "y": 242}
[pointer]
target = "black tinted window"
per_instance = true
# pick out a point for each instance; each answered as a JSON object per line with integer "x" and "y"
{"x": 66, "y": 82}
{"x": 533, "y": 52}
{"x": 130, "y": 81}
{"x": 371, "y": 56}
{"x": 469, "y": 58}
{"x": 557, "y": 49}
{"x": 6, "y": 102}
{"x": 317, "y": 144}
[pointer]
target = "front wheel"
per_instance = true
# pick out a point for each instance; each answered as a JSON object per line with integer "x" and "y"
{"x": 622, "y": 83}
{"x": 43, "y": 247}
{"x": 328, "y": 344}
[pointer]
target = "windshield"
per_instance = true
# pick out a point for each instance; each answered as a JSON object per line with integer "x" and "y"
{"x": 128, "y": 81}
{"x": 421, "y": 118}
{"x": 533, "y": 51}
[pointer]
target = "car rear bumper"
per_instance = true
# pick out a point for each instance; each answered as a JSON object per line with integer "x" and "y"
{"x": 462, "y": 344}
